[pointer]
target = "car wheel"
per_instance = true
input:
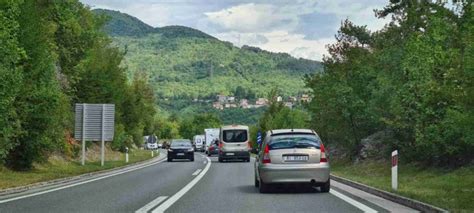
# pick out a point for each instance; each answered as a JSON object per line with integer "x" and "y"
{"x": 208, "y": 155}
{"x": 326, "y": 187}
{"x": 248, "y": 159}
{"x": 192, "y": 159}
{"x": 263, "y": 187}
{"x": 169, "y": 159}
{"x": 220, "y": 159}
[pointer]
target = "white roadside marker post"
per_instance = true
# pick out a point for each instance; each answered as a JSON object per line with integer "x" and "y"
{"x": 395, "y": 170}
{"x": 126, "y": 154}
{"x": 151, "y": 153}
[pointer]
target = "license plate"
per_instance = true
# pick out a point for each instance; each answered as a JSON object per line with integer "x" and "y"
{"x": 229, "y": 153}
{"x": 180, "y": 154}
{"x": 295, "y": 158}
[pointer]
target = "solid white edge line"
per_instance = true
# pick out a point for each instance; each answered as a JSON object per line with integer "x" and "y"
{"x": 151, "y": 204}
{"x": 352, "y": 201}
{"x": 80, "y": 183}
{"x": 183, "y": 191}
{"x": 196, "y": 172}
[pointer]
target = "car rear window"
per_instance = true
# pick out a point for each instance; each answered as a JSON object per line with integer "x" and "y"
{"x": 177, "y": 144}
{"x": 290, "y": 141}
{"x": 234, "y": 136}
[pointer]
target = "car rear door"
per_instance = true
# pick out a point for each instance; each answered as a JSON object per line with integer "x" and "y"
{"x": 294, "y": 149}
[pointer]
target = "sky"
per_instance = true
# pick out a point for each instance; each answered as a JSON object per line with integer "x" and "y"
{"x": 301, "y": 28}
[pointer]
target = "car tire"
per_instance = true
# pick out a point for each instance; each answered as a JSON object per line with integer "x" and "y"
{"x": 192, "y": 159}
{"x": 220, "y": 160}
{"x": 325, "y": 187}
{"x": 263, "y": 187}
{"x": 170, "y": 159}
{"x": 248, "y": 159}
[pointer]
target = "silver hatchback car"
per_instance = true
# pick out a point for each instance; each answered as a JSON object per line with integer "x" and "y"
{"x": 292, "y": 156}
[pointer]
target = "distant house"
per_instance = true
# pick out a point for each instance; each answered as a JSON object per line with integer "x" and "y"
{"x": 289, "y": 104}
{"x": 244, "y": 103}
{"x": 231, "y": 99}
{"x": 261, "y": 101}
{"x": 221, "y": 98}
{"x": 305, "y": 98}
{"x": 217, "y": 105}
{"x": 292, "y": 99}
{"x": 279, "y": 99}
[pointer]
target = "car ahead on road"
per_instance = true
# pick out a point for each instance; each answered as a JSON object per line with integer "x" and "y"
{"x": 151, "y": 142}
{"x": 198, "y": 143}
{"x": 181, "y": 149}
{"x": 213, "y": 148}
{"x": 234, "y": 143}
{"x": 292, "y": 156}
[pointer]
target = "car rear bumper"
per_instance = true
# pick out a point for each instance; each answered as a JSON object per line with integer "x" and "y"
{"x": 234, "y": 155}
{"x": 174, "y": 155}
{"x": 294, "y": 173}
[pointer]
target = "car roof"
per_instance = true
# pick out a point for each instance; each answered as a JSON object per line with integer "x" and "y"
{"x": 285, "y": 131}
{"x": 227, "y": 127}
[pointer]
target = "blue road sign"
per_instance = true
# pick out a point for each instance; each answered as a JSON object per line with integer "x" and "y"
{"x": 259, "y": 137}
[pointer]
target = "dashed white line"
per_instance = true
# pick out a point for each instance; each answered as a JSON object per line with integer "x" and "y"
{"x": 196, "y": 172}
{"x": 353, "y": 202}
{"x": 151, "y": 204}
{"x": 184, "y": 190}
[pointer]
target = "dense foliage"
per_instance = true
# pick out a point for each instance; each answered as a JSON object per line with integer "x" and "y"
{"x": 54, "y": 54}
{"x": 415, "y": 77}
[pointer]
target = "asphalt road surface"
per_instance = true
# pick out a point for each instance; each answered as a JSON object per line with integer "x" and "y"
{"x": 204, "y": 185}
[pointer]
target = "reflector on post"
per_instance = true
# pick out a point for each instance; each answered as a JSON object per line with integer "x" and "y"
{"x": 395, "y": 170}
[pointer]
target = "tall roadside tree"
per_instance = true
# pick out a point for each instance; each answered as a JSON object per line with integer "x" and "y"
{"x": 11, "y": 76}
{"x": 40, "y": 104}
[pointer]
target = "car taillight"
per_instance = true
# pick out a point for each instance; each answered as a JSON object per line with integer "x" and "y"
{"x": 323, "y": 154}
{"x": 266, "y": 155}
{"x": 249, "y": 145}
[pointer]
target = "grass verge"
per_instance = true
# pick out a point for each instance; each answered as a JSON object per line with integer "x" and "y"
{"x": 55, "y": 169}
{"x": 449, "y": 189}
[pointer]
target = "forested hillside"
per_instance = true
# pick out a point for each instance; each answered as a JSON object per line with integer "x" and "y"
{"x": 185, "y": 63}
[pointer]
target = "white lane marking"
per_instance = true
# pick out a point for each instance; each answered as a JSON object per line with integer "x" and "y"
{"x": 151, "y": 204}
{"x": 352, "y": 202}
{"x": 196, "y": 172}
{"x": 80, "y": 183}
{"x": 184, "y": 190}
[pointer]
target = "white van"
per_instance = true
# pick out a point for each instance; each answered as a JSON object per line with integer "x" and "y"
{"x": 234, "y": 143}
{"x": 198, "y": 141}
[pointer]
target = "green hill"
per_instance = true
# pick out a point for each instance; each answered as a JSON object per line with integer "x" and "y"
{"x": 186, "y": 63}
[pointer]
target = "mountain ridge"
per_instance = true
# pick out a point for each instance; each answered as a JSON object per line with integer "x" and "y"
{"x": 183, "y": 62}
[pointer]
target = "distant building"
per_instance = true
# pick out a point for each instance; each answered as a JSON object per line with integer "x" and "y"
{"x": 305, "y": 98}
{"x": 261, "y": 101}
{"x": 231, "y": 99}
{"x": 230, "y": 105}
{"x": 244, "y": 103}
{"x": 279, "y": 99}
{"x": 221, "y": 98}
{"x": 217, "y": 105}
{"x": 288, "y": 104}
{"x": 292, "y": 99}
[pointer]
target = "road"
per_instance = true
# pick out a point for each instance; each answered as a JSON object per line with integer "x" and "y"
{"x": 204, "y": 185}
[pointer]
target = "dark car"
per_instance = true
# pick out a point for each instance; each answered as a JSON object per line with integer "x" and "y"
{"x": 213, "y": 148}
{"x": 181, "y": 149}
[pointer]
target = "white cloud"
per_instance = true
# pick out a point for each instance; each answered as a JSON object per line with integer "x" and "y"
{"x": 253, "y": 17}
{"x": 281, "y": 41}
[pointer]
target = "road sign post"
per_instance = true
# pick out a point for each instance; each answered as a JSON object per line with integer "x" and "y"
{"x": 94, "y": 122}
{"x": 395, "y": 170}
